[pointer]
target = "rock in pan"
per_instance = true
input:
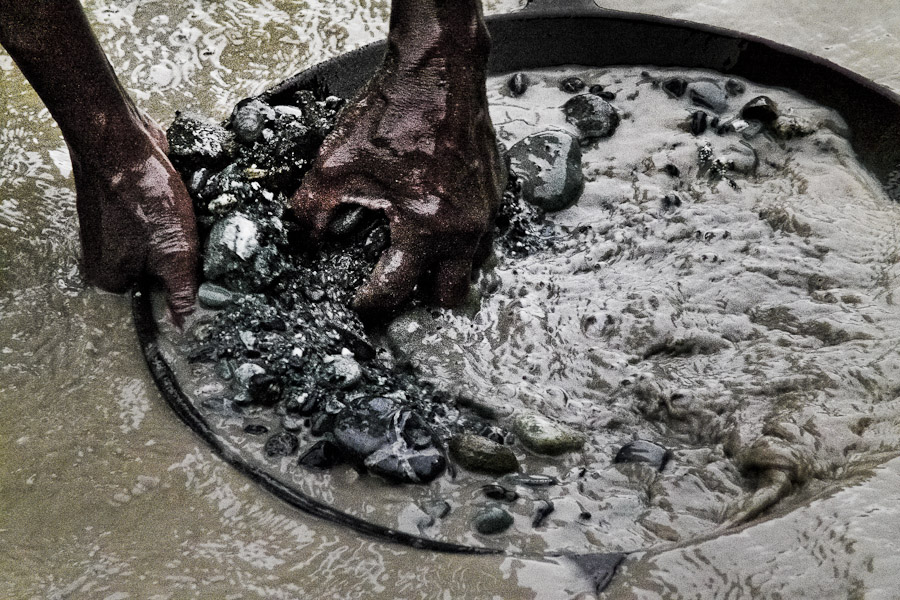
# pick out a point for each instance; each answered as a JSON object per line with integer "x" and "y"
{"x": 592, "y": 115}
{"x": 642, "y": 451}
{"x": 541, "y": 435}
{"x": 492, "y": 520}
{"x": 478, "y": 453}
{"x": 549, "y": 168}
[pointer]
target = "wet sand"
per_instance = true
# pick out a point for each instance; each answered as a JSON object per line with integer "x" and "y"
{"x": 105, "y": 494}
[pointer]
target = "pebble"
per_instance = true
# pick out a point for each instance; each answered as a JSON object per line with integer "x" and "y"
{"x": 592, "y": 115}
{"x": 196, "y": 141}
{"x": 544, "y": 436}
{"x": 675, "y": 87}
{"x": 698, "y": 122}
{"x": 249, "y": 118}
{"x": 542, "y": 510}
{"x": 214, "y": 296}
{"x": 734, "y": 87}
{"x": 761, "y": 108}
{"x": 324, "y": 454}
{"x": 642, "y": 451}
{"x": 478, "y": 453}
{"x": 707, "y": 94}
{"x": 343, "y": 372}
{"x": 255, "y": 429}
{"x": 549, "y": 167}
{"x": 518, "y": 84}
{"x": 281, "y": 444}
{"x": 495, "y": 491}
{"x": 236, "y": 256}
{"x": 492, "y": 520}
{"x": 264, "y": 389}
{"x": 572, "y": 85}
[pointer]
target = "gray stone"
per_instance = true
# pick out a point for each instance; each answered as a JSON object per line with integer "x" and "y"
{"x": 195, "y": 141}
{"x": 250, "y": 118}
{"x": 236, "y": 258}
{"x": 343, "y": 371}
{"x": 541, "y": 435}
{"x": 549, "y": 167}
{"x": 492, "y": 520}
{"x": 642, "y": 451}
{"x": 214, "y": 296}
{"x": 592, "y": 115}
{"x": 707, "y": 94}
{"x": 478, "y": 453}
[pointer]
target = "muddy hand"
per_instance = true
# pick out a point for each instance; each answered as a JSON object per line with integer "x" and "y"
{"x": 136, "y": 218}
{"x": 418, "y": 144}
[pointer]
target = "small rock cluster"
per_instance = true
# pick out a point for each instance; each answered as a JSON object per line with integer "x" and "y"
{"x": 297, "y": 357}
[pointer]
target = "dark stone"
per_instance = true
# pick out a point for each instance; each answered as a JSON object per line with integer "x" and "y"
{"x": 478, "y": 453}
{"x": 264, "y": 389}
{"x": 707, "y": 94}
{"x": 408, "y": 467}
{"x": 572, "y": 85}
{"x": 671, "y": 201}
{"x": 671, "y": 170}
{"x": 255, "y": 429}
{"x": 698, "y": 122}
{"x": 734, "y": 87}
{"x": 518, "y": 84}
{"x": 592, "y": 115}
{"x": 214, "y": 296}
{"x": 237, "y": 256}
{"x": 281, "y": 444}
{"x": 532, "y": 480}
{"x": 599, "y": 567}
{"x": 549, "y": 168}
{"x": 492, "y": 520}
{"x": 761, "y": 108}
{"x": 596, "y": 89}
{"x": 321, "y": 424}
{"x": 608, "y": 96}
{"x": 196, "y": 142}
{"x": 249, "y": 118}
{"x": 585, "y": 516}
{"x": 642, "y": 451}
{"x": 542, "y": 510}
{"x": 349, "y": 219}
{"x": 495, "y": 491}
{"x": 324, "y": 454}
{"x": 675, "y": 87}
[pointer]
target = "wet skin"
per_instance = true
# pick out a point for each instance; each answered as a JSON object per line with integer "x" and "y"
{"x": 417, "y": 143}
{"x": 135, "y": 215}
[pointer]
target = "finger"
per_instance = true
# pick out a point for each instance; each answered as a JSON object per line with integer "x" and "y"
{"x": 452, "y": 279}
{"x": 484, "y": 249}
{"x": 311, "y": 213}
{"x": 175, "y": 263}
{"x": 391, "y": 282}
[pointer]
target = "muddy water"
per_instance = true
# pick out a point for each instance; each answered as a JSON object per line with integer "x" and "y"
{"x": 104, "y": 494}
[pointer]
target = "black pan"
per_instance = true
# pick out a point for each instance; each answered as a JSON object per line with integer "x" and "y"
{"x": 547, "y": 34}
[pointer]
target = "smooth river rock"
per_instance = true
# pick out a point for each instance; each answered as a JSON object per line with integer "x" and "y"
{"x": 544, "y": 436}
{"x": 477, "y": 453}
{"x": 549, "y": 167}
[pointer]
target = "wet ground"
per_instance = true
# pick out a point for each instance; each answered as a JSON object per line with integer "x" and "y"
{"x": 103, "y": 492}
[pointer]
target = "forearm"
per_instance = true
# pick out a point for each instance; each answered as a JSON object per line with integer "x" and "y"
{"x": 52, "y": 43}
{"x": 455, "y": 26}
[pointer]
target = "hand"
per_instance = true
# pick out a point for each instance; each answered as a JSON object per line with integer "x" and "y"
{"x": 136, "y": 216}
{"x": 418, "y": 144}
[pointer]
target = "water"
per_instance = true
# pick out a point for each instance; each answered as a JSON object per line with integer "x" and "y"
{"x": 104, "y": 494}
